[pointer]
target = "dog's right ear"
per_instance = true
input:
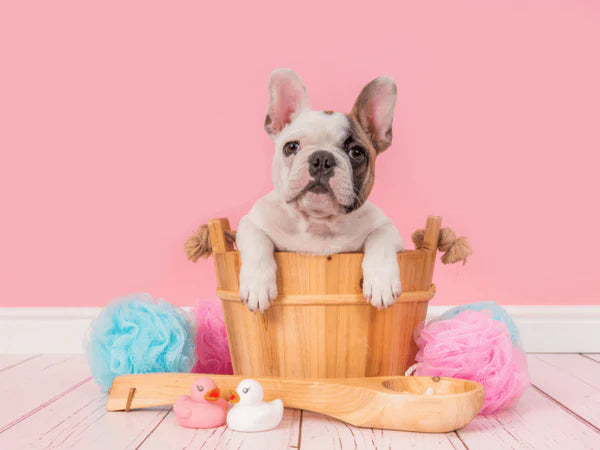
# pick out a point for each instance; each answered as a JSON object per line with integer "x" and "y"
{"x": 374, "y": 110}
{"x": 287, "y": 99}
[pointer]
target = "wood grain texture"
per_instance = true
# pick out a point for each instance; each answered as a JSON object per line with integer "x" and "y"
{"x": 36, "y": 383}
{"x": 333, "y": 299}
{"x": 555, "y": 375}
{"x": 535, "y": 422}
{"x": 217, "y": 229}
{"x": 320, "y": 325}
{"x": 432, "y": 233}
{"x": 79, "y": 419}
{"x": 321, "y": 432}
{"x": 76, "y": 418}
{"x": 302, "y": 274}
{"x": 430, "y": 244}
{"x": 394, "y": 403}
{"x": 10, "y": 361}
{"x": 171, "y": 435}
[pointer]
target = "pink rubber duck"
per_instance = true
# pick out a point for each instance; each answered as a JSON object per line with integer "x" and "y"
{"x": 203, "y": 408}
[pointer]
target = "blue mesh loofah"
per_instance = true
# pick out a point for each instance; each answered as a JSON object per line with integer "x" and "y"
{"x": 498, "y": 313}
{"x": 135, "y": 334}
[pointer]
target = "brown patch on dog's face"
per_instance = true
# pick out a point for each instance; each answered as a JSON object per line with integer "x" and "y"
{"x": 363, "y": 172}
{"x": 374, "y": 111}
{"x": 327, "y": 149}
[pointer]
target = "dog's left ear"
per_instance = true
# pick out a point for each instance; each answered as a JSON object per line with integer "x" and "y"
{"x": 374, "y": 111}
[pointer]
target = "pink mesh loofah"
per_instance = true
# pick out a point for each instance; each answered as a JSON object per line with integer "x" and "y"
{"x": 474, "y": 346}
{"x": 211, "y": 339}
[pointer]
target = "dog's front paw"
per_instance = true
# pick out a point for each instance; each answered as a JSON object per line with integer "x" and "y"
{"x": 258, "y": 286}
{"x": 381, "y": 283}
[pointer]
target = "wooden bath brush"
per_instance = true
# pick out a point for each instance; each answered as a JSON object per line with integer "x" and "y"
{"x": 392, "y": 402}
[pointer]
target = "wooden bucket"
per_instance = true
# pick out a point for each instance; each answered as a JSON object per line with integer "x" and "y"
{"x": 320, "y": 325}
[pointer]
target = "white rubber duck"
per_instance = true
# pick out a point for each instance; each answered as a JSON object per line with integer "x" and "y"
{"x": 249, "y": 412}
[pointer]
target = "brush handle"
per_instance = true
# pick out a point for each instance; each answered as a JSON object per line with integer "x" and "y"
{"x": 395, "y": 403}
{"x": 160, "y": 389}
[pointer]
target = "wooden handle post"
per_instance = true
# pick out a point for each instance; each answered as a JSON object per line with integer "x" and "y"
{"x": 216, "y": 231}
{"x": 430, "y": 245}
{"x": 432, "y": 233}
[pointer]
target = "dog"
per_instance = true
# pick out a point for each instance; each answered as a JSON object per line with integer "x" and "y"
{"x": 323, "y": 170}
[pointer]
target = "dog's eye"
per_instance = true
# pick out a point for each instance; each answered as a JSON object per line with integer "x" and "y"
{"x": 291, "y": 147}
{"x": 357, "y": 153}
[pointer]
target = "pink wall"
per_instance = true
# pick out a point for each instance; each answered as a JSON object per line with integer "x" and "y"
{"x": 123, "y": 125}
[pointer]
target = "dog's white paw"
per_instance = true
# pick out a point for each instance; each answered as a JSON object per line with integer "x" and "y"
{"x": 258, "y": 286}
{"x": 381, "y": 283}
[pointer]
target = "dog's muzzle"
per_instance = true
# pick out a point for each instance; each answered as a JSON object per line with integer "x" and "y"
{"x": 321, "y": 165}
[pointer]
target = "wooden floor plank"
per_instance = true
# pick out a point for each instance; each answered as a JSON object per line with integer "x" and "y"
{"x": 170, "y": 435}
{"x": 323, "y": 432}
{"x": 9, "y": 361}
{"x": 571, "y": 379}
{"x": 535, "y": 422}
{"x": 50, "y": 401}
{"x": 37, "y": 382}
{"x": 79, "y": 420}
{"x": 594, "y": 356}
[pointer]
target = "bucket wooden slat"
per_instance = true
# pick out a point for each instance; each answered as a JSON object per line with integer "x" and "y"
{"x": 335, "y": 274}
{"x": 216, "y": 233}
{"x": 320, "y": 326}
{"x": 430, "y": 243}
{"x": 331, "y": 299}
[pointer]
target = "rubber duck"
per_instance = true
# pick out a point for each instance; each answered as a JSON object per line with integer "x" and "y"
{"x": 203, "y": 408}
{"x": 249, "y": 412}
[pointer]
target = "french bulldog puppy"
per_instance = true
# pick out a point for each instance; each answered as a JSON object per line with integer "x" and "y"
{"x": 323, "y": 171}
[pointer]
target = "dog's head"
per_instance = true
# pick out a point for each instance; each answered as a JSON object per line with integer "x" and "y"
{"x": 324, "y": 162}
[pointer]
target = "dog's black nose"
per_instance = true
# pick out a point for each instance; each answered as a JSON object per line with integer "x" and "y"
{"x": 321, "y": 164}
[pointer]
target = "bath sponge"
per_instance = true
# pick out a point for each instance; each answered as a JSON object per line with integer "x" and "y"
{"x": 473, "y": 345}
{"x": 136, "y": 334}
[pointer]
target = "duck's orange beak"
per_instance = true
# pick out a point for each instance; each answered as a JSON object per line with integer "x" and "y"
{"x": 213, "y": 395}
{"x": 234, "y": 397}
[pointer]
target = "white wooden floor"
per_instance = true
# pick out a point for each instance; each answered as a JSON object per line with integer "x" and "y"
{"x": 49, "y": 401}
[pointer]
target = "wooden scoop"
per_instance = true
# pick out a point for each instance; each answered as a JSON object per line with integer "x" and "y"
{"x": 394, "y": 403}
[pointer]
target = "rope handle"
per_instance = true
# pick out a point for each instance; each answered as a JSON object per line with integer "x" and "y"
{"x": 198, "y": 244}
{"x": 455, "y": 249}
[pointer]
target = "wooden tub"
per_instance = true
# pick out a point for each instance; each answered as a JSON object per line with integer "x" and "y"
{"x": 320, "y": 325}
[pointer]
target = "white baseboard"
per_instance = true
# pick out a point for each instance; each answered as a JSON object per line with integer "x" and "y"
{"x": 544, "y": 329}
{"x": 553, "y": 329}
